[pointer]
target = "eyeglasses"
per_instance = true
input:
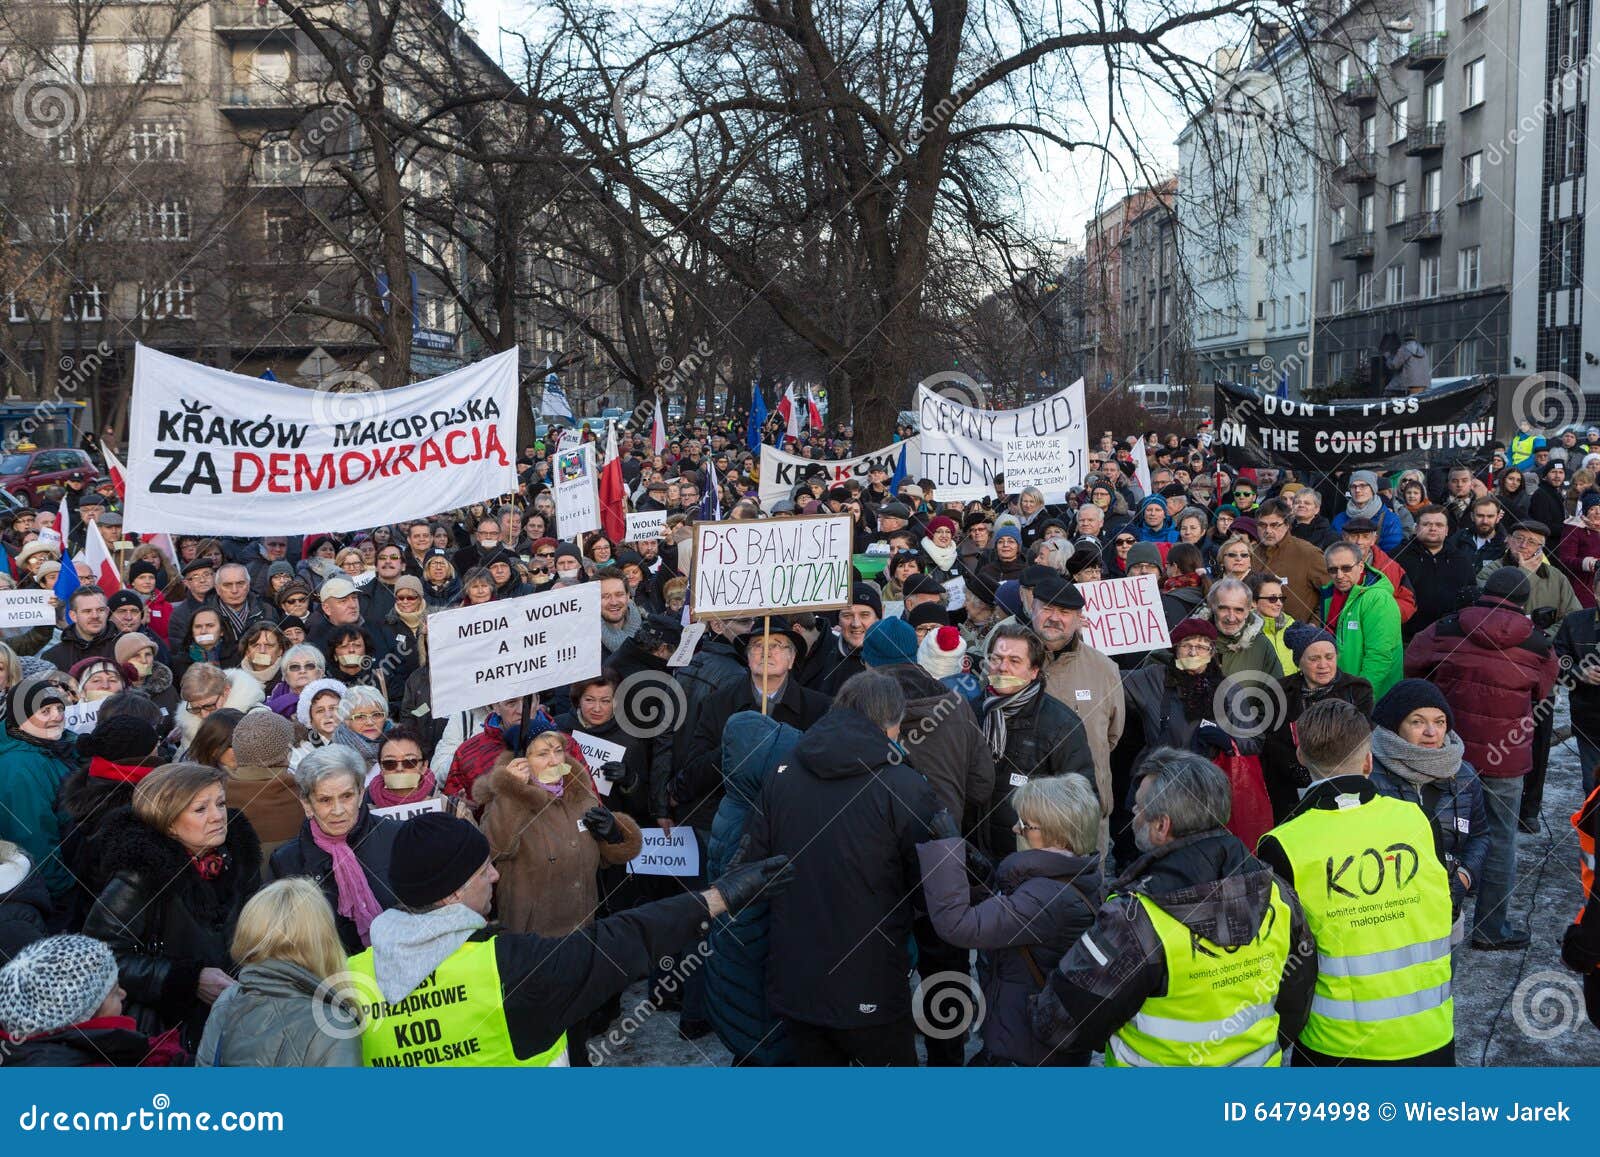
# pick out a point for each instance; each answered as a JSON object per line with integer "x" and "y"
{"x": 1269, "y": 598}
{"x": 407, "y": 598}
{"x": 301, "y": 668}
{"x": 1022, "y": 826}
{"x": 367, "y": 717}
{"x": 203, "y": 708}
{"x": 545, "y": 554}
{"x": 409, "y": 763}
{"x": 1343, "y": 569}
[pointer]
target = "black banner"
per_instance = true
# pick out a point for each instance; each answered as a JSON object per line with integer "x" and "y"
{"x": 1439, "y": 427}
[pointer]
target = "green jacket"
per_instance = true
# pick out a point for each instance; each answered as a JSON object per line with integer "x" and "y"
{"x": 31, "y": 815}
{"x": 1368, "y": 632}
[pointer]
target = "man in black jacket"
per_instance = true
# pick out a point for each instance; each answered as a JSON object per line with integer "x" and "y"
{"x": 92, "y": 634}
{"x": 1443, "y": 578}
{"x": 850, "y": 812}
{"x": 1484, "y": 538}
{"x": 1577, "y": 647}
{"x": 838, "y": 656}
{"x": 1547, "y": 504}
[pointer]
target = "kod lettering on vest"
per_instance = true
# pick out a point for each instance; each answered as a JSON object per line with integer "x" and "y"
{"x": 1397, "y": 864}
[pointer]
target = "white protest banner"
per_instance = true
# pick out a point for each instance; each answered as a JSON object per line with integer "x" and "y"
{"x": 81, "y": 717}
{"x": 215, "y": 452}
{"x": 577, "y": 493}
{"x": 667, "y": 854}
{"x": 404, "y": 811}
{"x": 26, "y": 608}
{"x": 781, "y": 470}
{"x": 686, "y": 645}
{"x": 1047, "y": 463}
{"x": 50, "y": 536}
{"x": 596, "y": 753}
{"x": 957, "y": 589}
{"x": 645, "y": 525}
{"x": 1124, "y": 614}
{"x": 499, "y": 650}
{"x": 750, "y": 568}
{"x": 962, "y": 447}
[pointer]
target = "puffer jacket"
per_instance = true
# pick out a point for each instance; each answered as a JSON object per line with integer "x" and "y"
{"x": 269, "y": 1020}
{"x": 25, "y": 910}
{"x": 754, "y": 746}
{"x": 1154, "y": 699}
{"x": 1041, "y": 903}
{"x": 372, "y": 840}
{"x": 1209, "y": 882}
{"x": 32, "y": 772}
{"x": 164, "y": 922}
{"x": 1492, "y": 666}
{"x": 1142, "y": 530}
{"x": 944, "y": 742}
{"x": 1456, "y": 810}
{"x": 1044, "y": 738}
{"x": 1367, "y": 631}
{"x": 1579, "y": 545}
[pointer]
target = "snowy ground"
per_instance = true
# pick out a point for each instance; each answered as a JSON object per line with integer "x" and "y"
{"x": 1512, "y": 1008}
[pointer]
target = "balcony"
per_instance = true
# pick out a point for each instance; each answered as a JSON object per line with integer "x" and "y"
{"x": 1356, "y": 169}
{"x": 283, "y": 103}
{"x": 1425, "y": 139}
{"x": 1427, "y": 226}
{"x": 1359, "y": 91}
{"x": 1357, "y": 247}
{"x": 254, "y": 22}
{"x": 1427, "y": 50}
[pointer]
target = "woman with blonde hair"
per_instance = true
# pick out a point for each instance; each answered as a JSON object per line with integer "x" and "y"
{"x": 289, "y": 1009}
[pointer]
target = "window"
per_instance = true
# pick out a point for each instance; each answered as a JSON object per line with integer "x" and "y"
{"x": 1394, "y": 284}
{"x": 1369, "y": 134}
{"x": 1572, "y": 35}
{"x": 1428, "y": 277}
{"x": 278, "y": 227}
{"x": 1261, "y": 246}
{"x": 1398, "y": 206}
{"x": 157, "y": 141}
{"x": 65, "y": 147}
{"x": 167, "y": 220}
{"x": 278, "y": 163}
{"x": 1166, "y": 307}
{"x": 1430, "y": 191}
{"x": 69, "y": 64}
{"x": 1302, "y": 241}
{"x": 1467, "y": 356}
{"x": 1399, "y": 114}
{"x": 153, "y": 62}
{"x": 1472, "y": 176}
{"x": 1365, "y": 208}
{"x": 1433, "y": 103}
{"x": 1364, "y": 291}
{"x": 1336, "y": 296}
{"x": 60, "y": 222}
{"x": 270, "y": 66}
{"x": 1572, "y": 142}
{"x": 18, "y": 310}
{"x": 1286, "y": 314}
{"x": 1369, "y": 53}
{"x": 1261, "y": 311}
{"x": 1568, "y": 274}
{"x": 1300, "y": 318}
{"x": 1436, "y": 16}
{"x": 1472, "y": 83}
{"x": 1343, "y": 73}
{"x": 1467, "y": 267}
{"x": 173, "y": 300}
{"x": 85, "y": 303}
{"x": 1336, "y": 225}
{"x": 1341, "y": 149}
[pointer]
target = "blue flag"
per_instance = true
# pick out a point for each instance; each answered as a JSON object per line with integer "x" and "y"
{"x": 1283, "y": 384}
{"x": 268, "y": 376}
{"x": 899, "y": 471}
{"x": 711, "y": 501}
{"x": 758, "y": 418}
{"x": 67, "y": 582}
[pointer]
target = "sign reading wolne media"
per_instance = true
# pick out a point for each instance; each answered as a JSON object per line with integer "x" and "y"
{"x": 962, "y": 448}
{"x": 1434, "y": 428}
{"x": 512, "y": 647}
{"x": 211, "y": 451}
{"x": 1123, "y": 615}
{"x": 748, "y": 568}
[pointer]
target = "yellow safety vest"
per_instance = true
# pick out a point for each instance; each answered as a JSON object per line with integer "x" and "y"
{"x": 454, "y": 1019}
{"x": 1220, "y": 1006}
{"x": 1378, "y": 902}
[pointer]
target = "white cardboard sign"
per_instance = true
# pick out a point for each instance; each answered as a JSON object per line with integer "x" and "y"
{"x": 26, "y": 608}
{"x": 1122, "y": 615}
{"x": 675, "y": 853}
{"x": 404, "y": 811}
{"x": 499, "y": 650}
{"x": 776, "y": 566}
{"x": 646, "y": 525}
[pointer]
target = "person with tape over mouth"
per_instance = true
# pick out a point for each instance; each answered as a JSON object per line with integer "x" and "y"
{"x": 442, "y": 987}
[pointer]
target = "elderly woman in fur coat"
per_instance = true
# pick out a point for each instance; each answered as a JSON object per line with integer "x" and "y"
{"x": 549, "y": 835}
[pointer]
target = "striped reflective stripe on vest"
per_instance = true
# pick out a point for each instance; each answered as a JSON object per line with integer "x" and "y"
{"x": 1260, "y": 1058}
{"x": 1201, "y": 1031}
{"x": 1587, "y": 858}
{"x": 1392, "y": 960}
{"x": 1382, "y": 1008}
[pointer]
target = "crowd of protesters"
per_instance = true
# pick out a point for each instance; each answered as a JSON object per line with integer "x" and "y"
{"x": 945, "y": 767}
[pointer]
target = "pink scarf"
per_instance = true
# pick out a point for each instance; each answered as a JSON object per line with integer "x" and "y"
{"x": 381, "y": 796}
{"x": 356, "y": 900}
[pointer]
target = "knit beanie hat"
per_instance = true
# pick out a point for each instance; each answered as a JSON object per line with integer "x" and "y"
{"x": 434, "y": 854}
{"x": 942, "y": 652}
{"x": 1008, "y": 597}
{"x": 1509, "y": 583}
{"x": 28, "y": 696}
{"x": 866, "y": 595}
{"x": 1008, "y": 531}
{"x": 1407, "y": 696}
{"x": 409, "y": 582}
{"x": 263, "y": 739}
{"x": 928, "y": 614}
{"x": 55, "y": 983}
{"x": 33, "y": 666}
{"x": 282, "y": 566}
{"x": 1366, "y": 476}
{"x": 131, "y": 644}
{"x": 889, "y": 642}
{"x": 1189, "y": 628}
{"x": 1302, "y": 635}
{"x": 120, "y": 739}
{"x": 1146, "y": 552}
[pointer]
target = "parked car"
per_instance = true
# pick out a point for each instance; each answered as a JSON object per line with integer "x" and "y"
{"x": 28, "y": 473}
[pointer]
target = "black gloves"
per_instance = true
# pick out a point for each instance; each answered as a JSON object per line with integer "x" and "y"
{"x": 1543, "y": 617}
{"x": 943, "y": 826}
{"x": 603, "y": 826}
{"x": 621, "y": 778}
{"x": 1212, "y": 736}
{"x": 1575, "y": 953}
{"x": 742, "y": 884}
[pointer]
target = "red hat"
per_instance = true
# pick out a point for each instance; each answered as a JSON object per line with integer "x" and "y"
{"x": 1189, "y": 628}
{"x": 941, "y": 522}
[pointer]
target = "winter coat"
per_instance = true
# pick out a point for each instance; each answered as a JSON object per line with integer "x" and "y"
{"x": 1209, "y": 882}
{"x": 1577, "y": 648}
{"x": 754, "y": 746}
{"x": 1390, "y": 534}
{"x": 269, "y": 799}
{"x": 1367, "y": 631}
{"x": 165, "y": 923}
{"x": 1577, "y": 545}
{"x": 161, "y": 689}
{"x": 100, "y": 1042}
{"x": 24, "y": 915}
{"x": 1181, "y": 603}
{"x": 1166, "y": 532}
{"x": 634, "y": 802}
{"x": 1154, "y": 699}
{"x": 547, "y": 862}
{"x": 1492, "y": 667}
{"x": 243, "y": 693}
{"x": 1550, "y": 595}
{"x": 372, "y": 840}
{"x": 1467, "y": 543}
{"x": 715, "y": 666}
{"x": 1281, "y": 768}
{"x": 943, "y": 741}
{"x": 697, "y": 787}
{"x": 1456, "y": 810}
{"x": 32, "y": 772}
{"x": 1546, "y": 505}
{"x": 1250, "y": 650}
{"x": 1273, "y": 630}
{"x": 830, "y": 663}
{"x": 851, "y": 809}
{"x": 1044, "y": 738}
{"x": 1318, "y": 532}
{"x": 1443, "y": 582}
{"x": 74, "y": 647}
{"x": 270, "y": 1020}
{"x": 1041, "y": 903}
{"x": 1090, "y": 684}
{"x": 90, "y": 796}
{"x": 1300, "y": 565}
{"x": 1404, "y": 597}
